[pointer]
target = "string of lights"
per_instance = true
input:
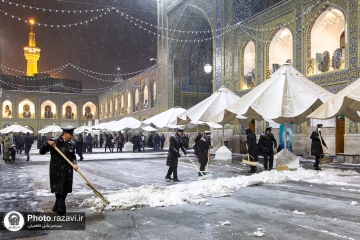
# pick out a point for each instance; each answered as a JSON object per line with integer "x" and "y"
{"x": 217, "y": 32}
{"x": 79, "y": 69}
{"x": 53, "y": 10}
{"x": 78, "y": 90}
{"x": 110, "y": 74}
{"x": 57, "y": 25}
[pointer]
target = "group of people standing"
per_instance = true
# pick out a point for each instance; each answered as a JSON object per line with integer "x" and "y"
{"x": 267, "y": 145}
{"x": 14, "y": 144}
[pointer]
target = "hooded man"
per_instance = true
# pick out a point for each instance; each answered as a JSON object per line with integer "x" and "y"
{"x": 204, "y": 151}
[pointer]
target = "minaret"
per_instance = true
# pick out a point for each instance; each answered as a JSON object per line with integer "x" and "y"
{"x": 32, "y": 53}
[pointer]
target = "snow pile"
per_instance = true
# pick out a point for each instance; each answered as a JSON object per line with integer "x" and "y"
{"x": 354, "y": 203}
{"x": 226, "y": 223}
{"x": 260, "y": 232}
{"x": 297, "y": 212}
{"x": 198, "y": 192}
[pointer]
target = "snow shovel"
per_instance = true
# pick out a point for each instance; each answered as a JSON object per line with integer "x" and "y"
{"x": 203, "y": 173}
{"x": 248, "y": 162}
{"x": 325, "y": 158}
{"x": 87, "y": 181}
{"x": 280, "y": 165}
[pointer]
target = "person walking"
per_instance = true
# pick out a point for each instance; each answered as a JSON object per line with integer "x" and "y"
{"x": 96, "y": 140}
{"x": 19, "y": 143}
{"x": 108, "y": 142}
{"x": 196, "y": 144}
{"x": 162, "y": 141}
{"x": 101, "y": 141}
{"x": 174, "y": 154}
{"x": 89, "y": 143}
{"x": 157, "y": 141}
{"x": 142, "y": 141}
{"x": 61, "y": 172}
{"x": 204, "y": 151}
{"x": 8, "y": 141}
{"x": 266, "y": 144}
{"x": 80, "y": 146}
{"x": 252, "y": 148}
{"x": 316, "y": 146}
{"x": 28, "y": 142}
{"x": 120, "y": 142}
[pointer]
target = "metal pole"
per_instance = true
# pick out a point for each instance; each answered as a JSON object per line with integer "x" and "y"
{"x": 223, "y": 126}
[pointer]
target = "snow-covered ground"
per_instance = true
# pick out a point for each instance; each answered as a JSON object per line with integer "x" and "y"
{"x": 199, "y": 192}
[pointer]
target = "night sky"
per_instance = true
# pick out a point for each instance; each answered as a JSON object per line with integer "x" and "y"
{"x": 101, "y": 46}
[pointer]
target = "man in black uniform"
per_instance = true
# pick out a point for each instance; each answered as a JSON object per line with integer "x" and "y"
{"x": 267, "y": 142}
{"x": 252, "y": 149}
{"x": 204, "y": 151}
{"x": 61, "y": 172}
{"x": 316, "y": 148}
{"x": 173, "y": 155}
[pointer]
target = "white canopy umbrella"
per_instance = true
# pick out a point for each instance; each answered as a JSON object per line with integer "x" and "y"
{"x": 211, "y": 109}
{"x": 146, "y": 129}
{"x": 99, "y": 126}
{"x": 16, "y": 129}
{"x": 346, "y": 102}
{"x": 81, "y": 129}
{"x": 286, "y": 97}
{"x": 123, "y": 124}
{"x": 51, "y": 128}
{"x": 166, "y": 118}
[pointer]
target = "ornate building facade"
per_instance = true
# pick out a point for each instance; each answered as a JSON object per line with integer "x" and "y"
{"x": 246, "y": 41}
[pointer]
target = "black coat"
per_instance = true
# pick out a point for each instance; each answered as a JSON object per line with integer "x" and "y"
{"x": 61, "y": 172}
{"x": 203, "y": 150}
{"x": 266, "y": 144}
{"x": 316, "y": 148}
{"x": 28, "y": 141}
{"x": 252, "y": 146}
{"x": 173, "y": 154}
{"x": 79, "y": 144}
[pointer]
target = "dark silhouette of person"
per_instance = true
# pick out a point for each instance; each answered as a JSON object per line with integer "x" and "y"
{"x": 88, "y": 114}
{"x": 26, "y": 112}
{"x": 7, "y": 111}
{"x": 48, "y": 113}
{"x": 69, "y": 114}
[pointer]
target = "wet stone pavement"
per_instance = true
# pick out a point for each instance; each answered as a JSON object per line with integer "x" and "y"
{"x": 24, "y": 187}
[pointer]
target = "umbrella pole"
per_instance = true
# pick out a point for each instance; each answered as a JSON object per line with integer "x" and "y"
{"x": 285, "y": 138}
{"x": 223, "y": 126}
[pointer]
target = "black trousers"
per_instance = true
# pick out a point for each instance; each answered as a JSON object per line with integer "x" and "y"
{"x": 172, "y": 170}
{"x": 268, "y": 160}
{"x": 60, "y": 207}
{"x": 202, "y": 166}
{"x": 317, "y": 161}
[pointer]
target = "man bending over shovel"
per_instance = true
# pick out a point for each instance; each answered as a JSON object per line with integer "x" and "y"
{"x": 61, "y": 172}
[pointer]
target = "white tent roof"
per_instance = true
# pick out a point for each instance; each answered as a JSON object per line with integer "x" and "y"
{"x": 211, "y": 109}
{"x": 51, "y": 128}
{"x": 287, "y": 97}
{"x": 16, "y": 128}
{"x": 165, "y": 119}
{"x": 123, "y": 124}
{"x": 81, "y": 129}
{"x": 346, "y": 102}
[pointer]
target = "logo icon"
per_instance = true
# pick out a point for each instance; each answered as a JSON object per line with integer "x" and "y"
{"x": 14, "y": 221}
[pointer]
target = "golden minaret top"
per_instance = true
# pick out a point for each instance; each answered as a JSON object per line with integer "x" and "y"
{"x": 31, "y": 52}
